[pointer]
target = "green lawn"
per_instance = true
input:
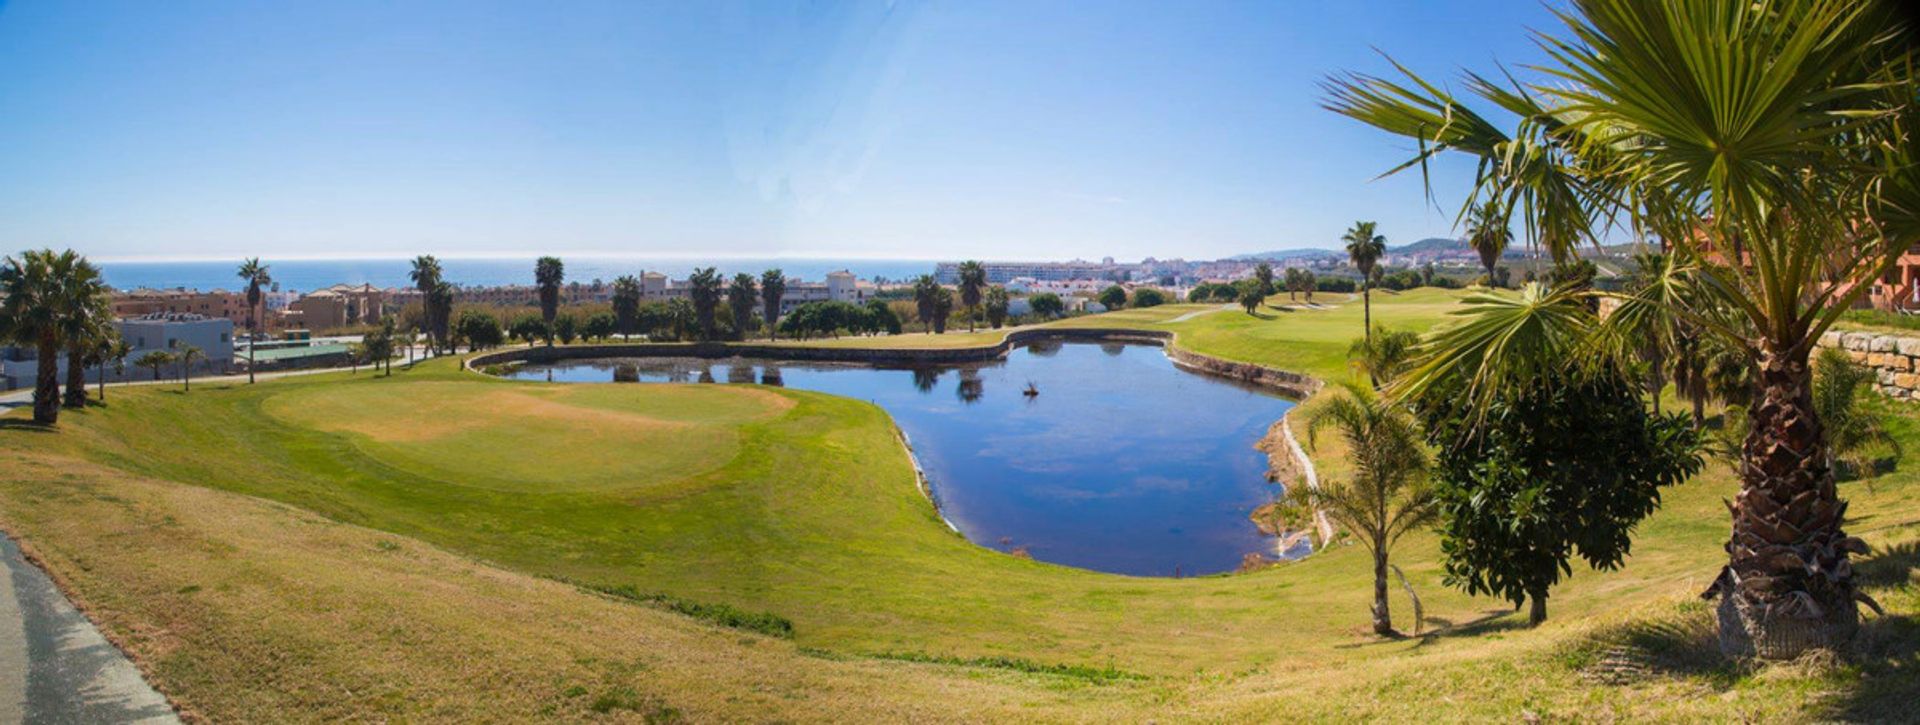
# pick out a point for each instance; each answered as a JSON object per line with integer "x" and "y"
{"x": 802, "y": 505}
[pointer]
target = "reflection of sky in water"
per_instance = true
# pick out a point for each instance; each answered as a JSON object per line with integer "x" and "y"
{"x": 1123, "y": 463}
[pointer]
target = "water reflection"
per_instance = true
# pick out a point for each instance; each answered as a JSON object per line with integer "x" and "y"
{"x": 1122, "y": 463}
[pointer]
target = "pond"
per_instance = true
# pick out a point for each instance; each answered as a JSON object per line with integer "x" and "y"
{"x": 1122, "y": 463}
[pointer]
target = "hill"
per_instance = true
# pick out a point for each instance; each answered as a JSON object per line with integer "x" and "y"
{"x": 1425, "y": 246}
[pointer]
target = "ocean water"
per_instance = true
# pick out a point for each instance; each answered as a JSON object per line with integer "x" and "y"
{"x": 1122, "y": 463}
{"x": 311, "y": 274}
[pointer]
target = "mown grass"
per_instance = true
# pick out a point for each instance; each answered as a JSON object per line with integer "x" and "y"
{"x": 330, "y": 548}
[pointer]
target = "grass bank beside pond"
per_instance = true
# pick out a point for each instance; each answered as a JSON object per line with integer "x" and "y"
{"x": 437, "y": 546}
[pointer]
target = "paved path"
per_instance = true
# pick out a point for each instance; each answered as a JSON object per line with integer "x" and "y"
{"x": 1197, "y": 313}
{"x": 55, "y": 667}
{"x": 24, "y": 396}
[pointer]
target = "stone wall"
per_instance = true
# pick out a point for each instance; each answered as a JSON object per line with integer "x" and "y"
{"x": 1894, "y": 358}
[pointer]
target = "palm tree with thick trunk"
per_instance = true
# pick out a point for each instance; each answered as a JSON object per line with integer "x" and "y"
{"x": 1387, "y": 494}
{"x": 426, "y": 274}
{"x": 1770, "y": 146}
{"x": 86, "y": 320}
{"x": 1364, "y": 249}
{"x": 973, "y": 283}
{"x": 256, "y": 276}
{"x": 626, "y": 305}
{"x": 742, "y": 296}
{"x": 33, "y": 314}
{"x": 703, "y": 289}
{"x": 548, "y": 274}
{"x": 1489, "y": 233}
{"x": 773, "y": 287}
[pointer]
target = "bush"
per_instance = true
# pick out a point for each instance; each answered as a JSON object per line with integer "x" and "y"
{"x": 1148, "y": 297}
{"x": 479, "y": 329}
{"x": 725, "y": 615}
{"x": 1047, "y": 305}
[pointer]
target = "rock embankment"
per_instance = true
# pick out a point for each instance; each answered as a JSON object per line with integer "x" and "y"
{"x": 1895, "y": 359}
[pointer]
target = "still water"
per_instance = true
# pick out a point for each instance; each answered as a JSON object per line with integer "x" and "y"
{"x": 1122, "y": 463}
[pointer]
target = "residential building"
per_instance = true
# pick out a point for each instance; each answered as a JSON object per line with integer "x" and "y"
{"x": 340, "y": 306}
{"x": 181, "y": 301}
{"x": 146, "y": 333}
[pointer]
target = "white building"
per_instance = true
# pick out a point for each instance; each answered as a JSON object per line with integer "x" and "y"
{"x": 157, "y": 331}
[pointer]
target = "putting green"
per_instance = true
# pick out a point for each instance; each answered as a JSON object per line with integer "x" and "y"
{"x": 505, "y": 438}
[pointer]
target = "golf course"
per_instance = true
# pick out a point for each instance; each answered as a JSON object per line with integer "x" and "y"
{"x": 443, "y": 544}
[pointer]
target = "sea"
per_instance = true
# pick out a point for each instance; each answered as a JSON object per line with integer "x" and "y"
{"x": 304, "y": 275}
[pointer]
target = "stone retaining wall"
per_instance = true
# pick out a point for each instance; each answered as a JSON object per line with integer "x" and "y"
{"x": 1895, "y": 359}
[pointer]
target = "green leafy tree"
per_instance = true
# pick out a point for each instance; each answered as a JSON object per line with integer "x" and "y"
{"x": 626, "y": 305}
{"x": 548, "y": 274}
{"x": 599, "y": 326}
{"x": 379, "y": 344}
{"x": 1264, "y": 274}
{"x": 256, "y": 276}
{"x": 1386, "y": 495}
{"x": 567, "y": 328}
{"x": 529, "y": 328}
{"x": 1291, "y": 280}
{"x": 1364, "y": 249}
{"x": 973, "y": 283}
{"x": 1145, "y": 297}
{"x": 1250, "y": 297}
{"x": 1113, "y": 297}
{"x": 703, "y": 287}
{"x": 882, "y": 318}
{"x": 480, "y": 330}
{"x": 1047, "y": 305}
{"x": 773, "y": 288}
{"x": 742, "y": 296}
{"x": 997, "y": 301}
{"x": 1780, "y": 168}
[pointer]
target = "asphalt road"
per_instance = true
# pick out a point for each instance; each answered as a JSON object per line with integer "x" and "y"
{"x": 55, "y": 667}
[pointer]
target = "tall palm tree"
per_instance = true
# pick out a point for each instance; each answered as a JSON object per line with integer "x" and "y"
{"x": 426, "y": 274}
{"x": 703, "y": 286}
{"x": 626, "y": 304}
{"x": 1489, "y": 233}
{"x": 1364, "y": 249}
{"x": 926, "y": 292}
{"x": 184, "y": 353}
{"x": 973, "y": 281}
{"x": 1770, "y": 145}
{"x": 439, "y": 309}
{"x": 548, "y": 274}
{"x": 86, "y": 316}
{"x": 773, "y": 287}
{"x": 256, "y": 276}
{"x": 33, "y": 314}
{"x": 1387, "y": 494}
{"x": 742, "y": 296}
{"x": 111, "y": 351}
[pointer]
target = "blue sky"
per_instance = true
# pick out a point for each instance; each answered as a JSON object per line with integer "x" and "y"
{"x": 1002, "y": 130}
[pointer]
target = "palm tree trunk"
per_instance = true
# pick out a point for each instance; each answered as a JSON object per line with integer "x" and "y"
{"x": 253, "y": 338}
{"x": 1382, "y": 620}
{"x": 76, "y": 393}
{"x": 46, "y": 385}
{"x": 1366, "y": 304}
{"x": 1788, "y": 586}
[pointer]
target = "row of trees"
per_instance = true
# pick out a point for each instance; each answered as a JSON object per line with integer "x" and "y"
{"x": 57, "y": 304}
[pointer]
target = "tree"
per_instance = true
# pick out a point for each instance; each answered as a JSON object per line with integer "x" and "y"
{"x": 1782, "y": 172}
{"x": 548, "y": 274}
{"x": 379, "y": 344}
{"x": 1387, "y": 494}
{"x": 154, "y": 360}
{"x": 529, "y": 328}
{"x": 110, "y": 350}
{"x": 1113, "y": 297}
{"x": 1264, "y": 274}
{"x": 1047, "y": 305}
{"x": 87, "y": 320}
{"x": 184, "y": 353}
{"x": 1852, "y": 432}
{"x": 480, "y": 330}
{"x": 439, "y": 306}
{"x": 942, "y": 309}
{"x": 742, "y": 297}
{"x": 680, "y": 318}
{"x": 1308, "y": 283}
{"x": 997, "y": 302}
{"x": 973, "y": 282}
{"x": 255, "y": 275}
{"x": 1148, "y": 297}
{"x": 1384, "y": 355}
{"x": 881, "y": 317}
{"x": 599, "y": 326}
{"x": 426, "y": 275}
{"x": 703, "y": 286}
{"x": 1291, "y": 280}
{"x": 1489, "y": 232}
{"x": 34, "y": 312}
{"x": 773, "y": 288}
{"x": 925, "y": 289}
{"x": 626, "y": 305}
{"x": 1250, "y": 297}
{"x": 566, "y": 327}
{"x": 1364, "y": 249}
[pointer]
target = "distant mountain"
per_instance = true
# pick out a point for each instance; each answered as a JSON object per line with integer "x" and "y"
{"x": 1429, "y": 245}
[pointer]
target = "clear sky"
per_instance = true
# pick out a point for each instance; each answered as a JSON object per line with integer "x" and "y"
{"x": 1020, "y": 129}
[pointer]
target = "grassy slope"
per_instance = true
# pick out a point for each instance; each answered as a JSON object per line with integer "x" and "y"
{"x": 814, "y": 518}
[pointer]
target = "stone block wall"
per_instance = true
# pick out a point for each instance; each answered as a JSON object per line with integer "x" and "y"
{"x": 1895, "y": 359}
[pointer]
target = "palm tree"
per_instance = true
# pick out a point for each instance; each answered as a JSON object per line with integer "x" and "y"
{"x": 154, "y": 360}
{"x": 1364, "y": 249}
{"x": 184, "y": 353}
{"x": 111, "y": 350}
{"x": 34, "y": 312}
{"x": 1384, "y": 356}
{"x": 997, "y": 302}
{"x": 703, "y": 286}
{"x": 1387, "y": 494}
{"x": 88, "y": 319}
{"x": 1769, "y": 145}
{"x": 548, "y": 273}
{"x": 626, "y": 305}
{"x": 741, "y": 299}
{"x": 1489, "y": 234}
{"x": 426, "y": 274}
{"x": 439, "y": 308}
{"x": 973, "y": 280}
{"x": 925, "y": 292}
{"x": 1264, "y": 273}
{"x": 773, "y": 287}
{"x": 942, "y": 309}
{"x": 1249, "y": 295}
{"x": 255, "y": 275}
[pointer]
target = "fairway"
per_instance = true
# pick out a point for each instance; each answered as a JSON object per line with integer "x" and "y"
{"x": 789, "y": 503}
